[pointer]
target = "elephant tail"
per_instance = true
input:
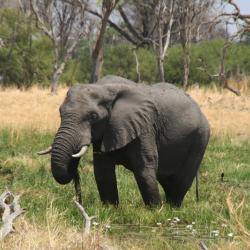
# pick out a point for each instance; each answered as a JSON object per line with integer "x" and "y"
{"x": 197, "y": 186}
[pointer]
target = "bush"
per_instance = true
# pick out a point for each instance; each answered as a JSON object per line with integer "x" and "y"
{"x": 26, "y": 58}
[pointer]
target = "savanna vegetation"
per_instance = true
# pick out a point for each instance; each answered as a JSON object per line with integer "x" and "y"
{"x": 26, "y": 57}
{"x": 29, "y": 118}
{"x": 221, "y": 218}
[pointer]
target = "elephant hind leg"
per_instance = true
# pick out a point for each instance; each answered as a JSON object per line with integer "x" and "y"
{"x": 177, "y": 185}
{"x": 174, "y": 189}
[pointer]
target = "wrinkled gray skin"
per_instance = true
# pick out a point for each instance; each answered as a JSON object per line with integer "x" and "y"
{"x": 157, "y": 132}
{"x": 115, "y": 79}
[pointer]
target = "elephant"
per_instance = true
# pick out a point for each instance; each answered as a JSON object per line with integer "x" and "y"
{"x": 156, "y": 131}
{"x": 114, "y": 79}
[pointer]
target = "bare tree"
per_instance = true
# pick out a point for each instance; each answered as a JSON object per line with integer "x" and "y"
{"x": 165, "y": 15}
{"x": 243, "y": 23}
{"x": 192, "y": 15}
{"x": 222, "y": 75}
{"x": 156, "y": 24}
{"x": 97, "y": 51}
{"x": 63, "y": 22}
{"x": 238, "y": 16}
{"x": 151, "y": 26}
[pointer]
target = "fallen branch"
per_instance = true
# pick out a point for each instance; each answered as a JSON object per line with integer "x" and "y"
{"x": 10, "y": 210}
{"x": 202, "y": 246}
{"x": 86, "y": 217}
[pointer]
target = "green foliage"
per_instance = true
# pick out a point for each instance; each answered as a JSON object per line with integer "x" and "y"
{"x": 119, "y": 60}
{"x": 22, "y": 171}
{"x": 79, "y": 67}
{"x": 26, "y": 57}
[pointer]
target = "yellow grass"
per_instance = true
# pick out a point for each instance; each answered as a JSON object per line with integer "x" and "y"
{"x": 37, "y": 109}
{"x": 56, "y": 236}
{"x": 226, "y": 112}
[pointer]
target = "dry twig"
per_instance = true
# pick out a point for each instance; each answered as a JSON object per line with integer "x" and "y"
{"x": 202, "y": 246}
{"x": 10, "y": 210}
{"x": 86, "y": 217}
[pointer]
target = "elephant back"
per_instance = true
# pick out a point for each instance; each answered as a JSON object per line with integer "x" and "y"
{"x": 112, "y": 79}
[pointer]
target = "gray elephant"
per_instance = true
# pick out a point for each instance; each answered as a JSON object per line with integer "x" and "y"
{"x": 158, "y": 132}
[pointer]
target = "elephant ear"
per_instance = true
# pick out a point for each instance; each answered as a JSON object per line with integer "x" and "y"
{"x": 131, "y": 115}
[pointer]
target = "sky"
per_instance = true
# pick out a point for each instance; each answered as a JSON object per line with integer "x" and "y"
{"x": 244, "y": 6}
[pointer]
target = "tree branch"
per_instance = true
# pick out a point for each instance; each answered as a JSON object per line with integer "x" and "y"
{"x": 40, "y": 23}
{"x": 128, "y": 24}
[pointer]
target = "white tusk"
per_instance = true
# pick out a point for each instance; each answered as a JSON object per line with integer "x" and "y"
{"x": 46, "y": 151}
{"x": 81, "y": 153}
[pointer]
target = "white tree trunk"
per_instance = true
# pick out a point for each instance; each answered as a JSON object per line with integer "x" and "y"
{"x": 55, "y": 78}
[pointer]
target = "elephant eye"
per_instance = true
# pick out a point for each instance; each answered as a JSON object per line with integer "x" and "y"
{"x": 93, "y": 116}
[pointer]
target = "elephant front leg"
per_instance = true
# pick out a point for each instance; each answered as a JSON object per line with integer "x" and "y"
{"x": 145, "y": 162}
{"x": 147, "y": 183}
{"x": 105, "y": 178}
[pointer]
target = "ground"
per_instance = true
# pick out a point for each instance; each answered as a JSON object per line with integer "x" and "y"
{"x": 221, "y": 219}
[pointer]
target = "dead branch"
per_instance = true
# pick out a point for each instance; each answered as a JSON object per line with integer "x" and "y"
{"x": 236, "y": 15}
{"x": 237, "y": 12}
{"x": 128, "y": 24}
{"x": 85, "y": 216}
{"x": 10, "y": 210}
{"x": 202, "y": 246}
{"x": 222, "y": 75}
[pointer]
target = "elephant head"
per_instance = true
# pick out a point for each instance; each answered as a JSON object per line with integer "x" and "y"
{"x": 111, "y": 115}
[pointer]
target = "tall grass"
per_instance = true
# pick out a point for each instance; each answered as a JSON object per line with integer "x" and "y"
{"x": 36, "y": 109}
{"x": 28, "y": 123}
{"x": 51, "y": 206}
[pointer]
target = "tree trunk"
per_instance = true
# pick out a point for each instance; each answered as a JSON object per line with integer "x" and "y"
{"x": 160, "y": 63}
{"x": 97, "y": 62}
{"x": 186, "y": 63}
{"x": 55, "y": 78}
{"x": 97, "y": 52}
{"x": 137, "y": 67}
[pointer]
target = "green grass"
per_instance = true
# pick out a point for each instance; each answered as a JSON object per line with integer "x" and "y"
{"x": 132, "y": 224}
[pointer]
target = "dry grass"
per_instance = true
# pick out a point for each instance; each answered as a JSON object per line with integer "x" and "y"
{"x": 236, "y": 217}
{"x": 55, "y": 236}
{"x": 226, "y": 112}
{"x": 37, "y": 109}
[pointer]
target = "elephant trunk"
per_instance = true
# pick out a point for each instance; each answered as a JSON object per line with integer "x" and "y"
{"x": 63, "y": 165}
